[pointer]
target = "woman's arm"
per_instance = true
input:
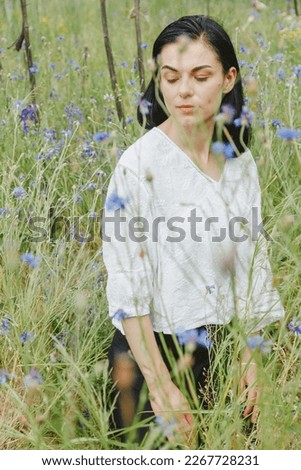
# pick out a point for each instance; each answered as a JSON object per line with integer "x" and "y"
{"x": 166, "y": 399}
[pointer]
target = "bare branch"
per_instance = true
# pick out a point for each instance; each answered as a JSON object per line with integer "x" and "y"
{"x": 136, "y": 15}
{"x": 110, "y": 60}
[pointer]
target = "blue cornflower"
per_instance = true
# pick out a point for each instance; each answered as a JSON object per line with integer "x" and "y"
{"x": 144, "y": 106}
{"x": 124, "y": 64}
{"x": 34, "y": 68}
{"x": 5, "y": 376}
{"x": 74, "y": 114}
{"x": 243, "y": 49}
{"x": 245, "y": 118}
{"x": 120, "y": 314}
{"x": 31, "y": 260}
{"x": 278, "y": 57}
{"x": 295, "y": 326}
{"x": 144, "y": 45}
{"x": 5, "y": 326}
{"x": 281, "y": 74}
{"x": 33, "y": 378}
{"x": 4, "y": 211}
{"x": 288, "y": 134}
{"x": 210, "y": 289}
{"x": 129, "y": 120}
{"x": 194, "y": 336}
{"x": 19, "y": 192}
{"x": 297, "y": 71}
{"x": 100, "y": 136}
{"x": 167, "y": 428}
{"x": 257, "y": 342}
{"x": 28, "y": 114}
{"x": 26, "y": 337}
{"x": 90, "y": 186}
{"x": 114, "y": 202}
{"x": 276, "y": 123}
{"x": 224, "y": 148}
{"x": 60, "y": 339}
{"x": 78, "y": 198}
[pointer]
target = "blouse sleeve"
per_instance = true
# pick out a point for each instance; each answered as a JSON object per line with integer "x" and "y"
{"x": 127, "y": 250}
{"x": 258, "y": 301}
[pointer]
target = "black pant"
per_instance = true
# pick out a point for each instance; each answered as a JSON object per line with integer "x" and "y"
{"x": 131, "y": 385}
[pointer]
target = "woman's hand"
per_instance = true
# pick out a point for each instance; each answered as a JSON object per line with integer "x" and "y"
{"x": 248, "y": 383}
{"x": 172, "y": 407}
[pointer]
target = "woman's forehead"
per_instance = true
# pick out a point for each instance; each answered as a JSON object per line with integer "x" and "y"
{"x": 190, "y": 54}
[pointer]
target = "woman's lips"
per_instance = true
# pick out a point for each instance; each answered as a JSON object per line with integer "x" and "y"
{"x": 186, "y": 108}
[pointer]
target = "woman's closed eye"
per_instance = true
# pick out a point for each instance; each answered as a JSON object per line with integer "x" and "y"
{"x": 201, "y": 78}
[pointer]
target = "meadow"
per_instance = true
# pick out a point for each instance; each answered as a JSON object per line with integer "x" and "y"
{"x": 54, "y": 326}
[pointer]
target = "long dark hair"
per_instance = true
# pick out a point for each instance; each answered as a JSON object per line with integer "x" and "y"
{"x": 194, "y": 27}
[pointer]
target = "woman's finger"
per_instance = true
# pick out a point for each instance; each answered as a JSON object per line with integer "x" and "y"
{"x": 251, "y": 401}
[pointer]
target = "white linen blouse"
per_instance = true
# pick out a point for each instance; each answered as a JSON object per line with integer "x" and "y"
{"x": 202, "y": 256}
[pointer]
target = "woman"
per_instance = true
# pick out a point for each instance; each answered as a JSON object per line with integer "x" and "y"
{"x": 192, "y": 174}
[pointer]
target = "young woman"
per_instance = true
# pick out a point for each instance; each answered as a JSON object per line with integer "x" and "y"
{"x": 183, "y": 241}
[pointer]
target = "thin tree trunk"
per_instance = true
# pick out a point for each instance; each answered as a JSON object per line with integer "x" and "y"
{"x": 110, "y": 60}
{"x": 296, "y": 7}
{"x": 25, "y": 27}
{"x": 139, "y": 50}
{"x": 208, "y": 7}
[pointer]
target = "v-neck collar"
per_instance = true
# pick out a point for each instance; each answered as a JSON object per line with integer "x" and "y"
{"x": 205, "y": 175}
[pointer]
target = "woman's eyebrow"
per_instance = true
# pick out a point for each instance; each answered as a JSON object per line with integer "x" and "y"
{"x": 195, "y": 69}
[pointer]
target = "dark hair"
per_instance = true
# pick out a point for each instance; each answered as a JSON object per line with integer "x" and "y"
{"x": 215, "y": 36}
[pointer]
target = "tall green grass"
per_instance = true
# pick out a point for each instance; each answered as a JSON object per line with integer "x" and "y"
{"x": 61, "y": 303}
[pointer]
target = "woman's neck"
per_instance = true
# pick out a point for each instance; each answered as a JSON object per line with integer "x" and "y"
{"x": 195, "y": 141}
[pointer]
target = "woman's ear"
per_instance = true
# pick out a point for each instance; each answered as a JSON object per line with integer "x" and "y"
{"x": 229, "y": 80}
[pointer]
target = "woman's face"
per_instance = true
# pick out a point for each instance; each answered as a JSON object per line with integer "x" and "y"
{"x": 192, "y": 81}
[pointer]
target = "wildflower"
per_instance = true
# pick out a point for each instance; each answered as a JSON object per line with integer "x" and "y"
{"x": 77, "y": 198}
{"x": 297, "y": 71}
{"x": 4, "y": 211}
{"x": 288, "y": 134}
{"x": 210, "y": 289}
{"x": 144, "y": 45}
{"x": 166, "y": 427}
{"x": 101, "y": 136}
{"x": 28, "y": 114}
{"x": 19, "y": 192}
{"x": 124, "y": 64}
{"x": 276, "y": 123}
{"x": 108, "y": 97}
{"x": 5, "y": 376}
{"x": 60, "y": 339}
{"x": 144, "y": 106}
{"x": 195, "y": 336}
{"x": 33, "y": 378}
{"x": 245, "y": 118}
{"x": 258, "y": 343}
{"x": 31, "y": 260}
{"x": 90, "y": 186}
{"x": 278, "y": 57}
{"x": 295, "y": 326}
{"x": 227, "y": 114}
{"x": 129, "y": 120}
{"x": 34, "y": 68}
{"x": 243, "y": 50}
{"x": 281, "y": 74}
{"x": 225, "y": 148}
{"x": 26, "y": 337}
{"x": 114, "y": 202}
{"x": 120, "y": 314}
{"x": 5, "y": 326}
{"x": 74, "y": 114}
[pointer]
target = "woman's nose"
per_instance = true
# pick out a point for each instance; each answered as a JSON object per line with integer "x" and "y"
{"x": 185, "y": 88}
